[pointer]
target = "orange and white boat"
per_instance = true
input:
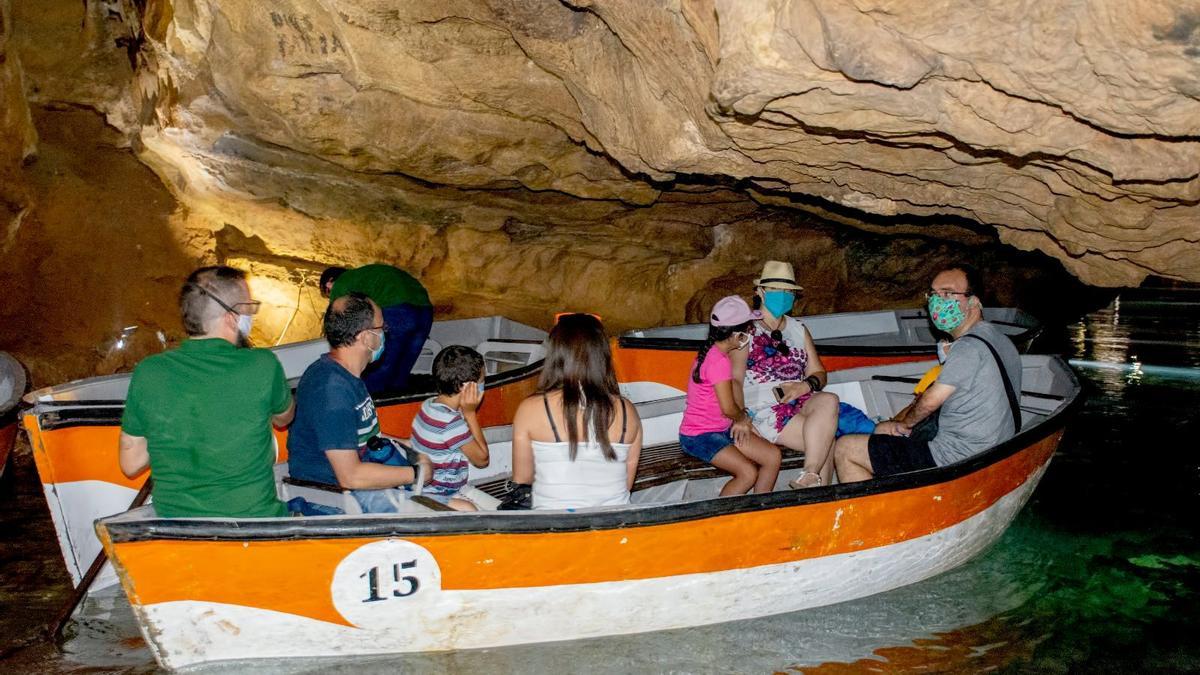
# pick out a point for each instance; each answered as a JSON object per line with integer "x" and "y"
{"x": 844, "y": 340}
{"x": 73, "y": 428}
{"x": 207, "y": 590}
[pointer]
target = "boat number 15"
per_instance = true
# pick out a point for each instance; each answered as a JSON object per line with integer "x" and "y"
{"x": 399, "y": 584}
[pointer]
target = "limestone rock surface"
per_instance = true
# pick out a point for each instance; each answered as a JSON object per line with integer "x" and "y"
{"x": 18, "y": 139}
{"x": 1071, "y": 127}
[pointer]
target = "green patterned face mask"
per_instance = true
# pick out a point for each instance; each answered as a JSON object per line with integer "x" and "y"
{"x": 945, "y": 313}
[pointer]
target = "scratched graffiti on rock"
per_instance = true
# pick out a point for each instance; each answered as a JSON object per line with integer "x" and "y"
{"x": 297, "y": 38}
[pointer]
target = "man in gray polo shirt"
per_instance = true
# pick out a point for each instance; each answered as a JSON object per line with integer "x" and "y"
{"x": 969, "y": 394}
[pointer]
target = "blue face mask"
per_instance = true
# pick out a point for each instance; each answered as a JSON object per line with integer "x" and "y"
{"x": 778, "y": 303}
{"x": 378, "y": 351}
{"x": 479, "y": 385}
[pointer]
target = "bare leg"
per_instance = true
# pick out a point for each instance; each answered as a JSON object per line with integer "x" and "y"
{"x": 821, "y": 417}
{"x": 768, "y": 458}
{"x": 812, "y": 431}
{"x": 853, "y": 460}
{"x": 744, "y": 471}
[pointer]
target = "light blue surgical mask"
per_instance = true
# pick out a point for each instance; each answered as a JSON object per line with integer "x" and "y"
{"x": 243, "y": 330}
{"x": 480, "y": 386}
{"x": 378, "y": 351}
{"x": 778, "y": 303}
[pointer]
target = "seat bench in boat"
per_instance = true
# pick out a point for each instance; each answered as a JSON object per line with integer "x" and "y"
{"x": 660, "y": 465}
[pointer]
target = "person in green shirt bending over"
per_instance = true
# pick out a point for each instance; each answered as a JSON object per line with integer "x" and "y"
{"x": 200, "y": 415}
{"x": 407, "y": 313}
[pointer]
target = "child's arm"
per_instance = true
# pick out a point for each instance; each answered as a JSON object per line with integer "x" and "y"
{"x": 741, "y": 421}
{"x": 476, "y": 449}
{"x": 737, "y": 362}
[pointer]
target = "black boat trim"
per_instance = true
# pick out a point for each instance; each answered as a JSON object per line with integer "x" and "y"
{"x": 282, "y": 529}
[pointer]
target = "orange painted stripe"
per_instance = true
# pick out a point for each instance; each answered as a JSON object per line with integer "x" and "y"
{"x": 248, "y": 573}
{"x": 78, "y": 453}
{"x": 673, "y": 367}
{"x": 835, "y": 362}
{"x": 90, "y": 452}
{"x": 663, "y": 366}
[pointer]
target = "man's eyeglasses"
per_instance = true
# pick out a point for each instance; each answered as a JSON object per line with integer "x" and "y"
{"x": 382, "y": 328}
{"x": 249, "y": 308}
{"x": 945, "y": 294}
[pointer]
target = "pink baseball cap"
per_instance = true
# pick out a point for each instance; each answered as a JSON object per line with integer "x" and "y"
{"x": 732, "y": 311}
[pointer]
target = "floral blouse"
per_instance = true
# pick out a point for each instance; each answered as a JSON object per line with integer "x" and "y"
{"x": 767, "y": 366}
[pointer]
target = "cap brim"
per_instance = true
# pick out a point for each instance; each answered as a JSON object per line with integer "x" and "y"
{"x": 754, "y": 315}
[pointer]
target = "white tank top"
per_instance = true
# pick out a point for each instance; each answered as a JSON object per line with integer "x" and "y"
{"x": 589, "y": 480}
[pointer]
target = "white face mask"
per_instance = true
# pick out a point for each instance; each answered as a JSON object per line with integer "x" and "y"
{"x": 743, "y": 340}
{"x": 243, "y": 326}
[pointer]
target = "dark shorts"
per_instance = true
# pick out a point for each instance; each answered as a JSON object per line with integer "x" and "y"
{"x": 891, "y": 455}
{"x": 705, "y": 446}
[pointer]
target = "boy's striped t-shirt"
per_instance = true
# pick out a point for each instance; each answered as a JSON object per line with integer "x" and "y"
{"x": 440, "y": 432}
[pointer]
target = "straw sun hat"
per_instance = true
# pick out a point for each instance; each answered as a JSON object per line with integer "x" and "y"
{"x": 778, "y": 275}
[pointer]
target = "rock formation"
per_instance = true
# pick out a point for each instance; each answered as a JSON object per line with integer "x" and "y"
{"x": 1071, "y": 127}
{"x": 637, "y": 158}
{"x": 17, "y": 135}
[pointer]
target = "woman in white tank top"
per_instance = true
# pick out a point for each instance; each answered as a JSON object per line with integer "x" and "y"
{"x": 577, "y": 440}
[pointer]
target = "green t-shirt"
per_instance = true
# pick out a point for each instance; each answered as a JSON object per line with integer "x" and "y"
{"x": 205, "y": 411}
{"x": 386, "y": 285}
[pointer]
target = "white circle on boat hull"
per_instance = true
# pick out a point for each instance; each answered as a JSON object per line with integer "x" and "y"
{"x": 380, "y": 583}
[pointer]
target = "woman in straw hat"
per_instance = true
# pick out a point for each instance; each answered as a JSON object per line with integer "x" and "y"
{"x": 782, "y": 378}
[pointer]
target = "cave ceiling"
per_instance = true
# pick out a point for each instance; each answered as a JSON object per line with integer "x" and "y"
{"x": 1070, "y": 127}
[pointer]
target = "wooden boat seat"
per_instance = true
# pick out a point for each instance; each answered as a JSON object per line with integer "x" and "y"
{"x": 660, "y": 465}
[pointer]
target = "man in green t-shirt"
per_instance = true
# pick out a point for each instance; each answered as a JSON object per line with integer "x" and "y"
{"x": 200, "y": 415}
{"x": 407, "y": 313}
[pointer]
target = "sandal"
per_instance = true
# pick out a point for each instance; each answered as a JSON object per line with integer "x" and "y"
{"x": 796, "y": 483}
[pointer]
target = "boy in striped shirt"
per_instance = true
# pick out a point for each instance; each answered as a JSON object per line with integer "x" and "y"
{"x": 447, "y": 428}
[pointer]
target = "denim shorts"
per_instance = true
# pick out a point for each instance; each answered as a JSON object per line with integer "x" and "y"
{"x": 379, "y": 501}
{"x": 705, "y": 446}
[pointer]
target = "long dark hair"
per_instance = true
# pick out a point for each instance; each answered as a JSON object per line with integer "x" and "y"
{"x": 715, "y": 335}
{"x": 579, "y": 364}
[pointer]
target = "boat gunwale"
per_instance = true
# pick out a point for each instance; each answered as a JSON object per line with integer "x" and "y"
{"x": 525, "y": 522}
{"x": 829, "y": 346}
{"x": 54, "y": 415}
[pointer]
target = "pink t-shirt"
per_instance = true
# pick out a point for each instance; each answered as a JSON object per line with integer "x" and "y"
{"x": 703, "y": 412}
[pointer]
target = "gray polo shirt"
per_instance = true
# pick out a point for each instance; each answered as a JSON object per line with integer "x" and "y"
{"x": 977, "y": 415}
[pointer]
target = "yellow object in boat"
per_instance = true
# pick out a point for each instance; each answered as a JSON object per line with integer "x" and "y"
{"x": 927, "y": 379}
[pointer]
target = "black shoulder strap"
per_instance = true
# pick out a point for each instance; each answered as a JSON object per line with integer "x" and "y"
{"x": 624, "y": 419}
{"x": 1013, "y": 406}
{"x": 546, "y": 402}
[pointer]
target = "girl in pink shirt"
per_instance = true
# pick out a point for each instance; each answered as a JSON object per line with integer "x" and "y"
{"x": 715, "y": 428}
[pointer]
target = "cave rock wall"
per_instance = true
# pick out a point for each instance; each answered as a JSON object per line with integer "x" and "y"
{"x": 1070, "y": 126}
